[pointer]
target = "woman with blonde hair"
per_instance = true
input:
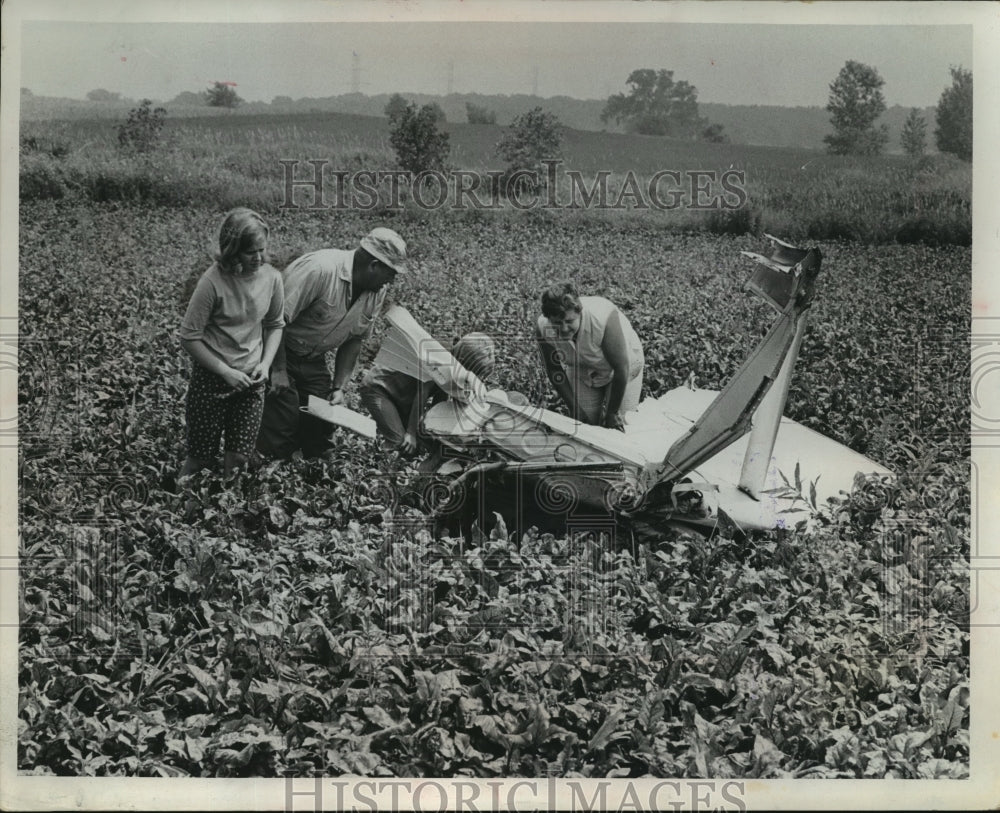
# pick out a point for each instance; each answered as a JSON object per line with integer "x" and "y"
{"x": 592, "y": 355}
{"x": 231, "y": 330}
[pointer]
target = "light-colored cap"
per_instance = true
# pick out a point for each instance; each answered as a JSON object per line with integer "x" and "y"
{"x": 387, "y": 247}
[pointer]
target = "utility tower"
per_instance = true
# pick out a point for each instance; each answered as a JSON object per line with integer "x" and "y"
{"x": 534, "y": 82}
{"x": 451, "y": 77}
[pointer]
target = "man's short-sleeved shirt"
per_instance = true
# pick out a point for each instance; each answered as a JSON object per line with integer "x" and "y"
{"x": 319, "y": 316}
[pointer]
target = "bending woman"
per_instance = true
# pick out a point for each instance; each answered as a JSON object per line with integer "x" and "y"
{"x": 592, "y": 355}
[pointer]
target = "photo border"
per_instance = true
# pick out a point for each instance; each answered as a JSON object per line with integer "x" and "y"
{"x": 982, "y": 790}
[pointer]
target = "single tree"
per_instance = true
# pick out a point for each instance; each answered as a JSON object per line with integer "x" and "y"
{"x": 855, "y": 102}
{"x": 221, "y": 94}
{"x": 141, "y": 130}
{"x": 714, "y": 134}
{"x": 395, "y": 107}
{"x": 914, "y": 135}
{"x": 954, "y": 116}
{"x": 102, "y": 95}
{"x": 532, "y": 137}
{"x": 656, "y": 105}
{"x": 479, "y": 115}
{"x": 418, "y": 143}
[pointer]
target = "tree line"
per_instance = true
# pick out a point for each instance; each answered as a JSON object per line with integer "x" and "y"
{"x": 219, "y": 94}
{"x": 856, "y": 102}
{"x": 657, "y": 104}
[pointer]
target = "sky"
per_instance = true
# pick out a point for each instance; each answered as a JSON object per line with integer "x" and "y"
{"x": 790, "y": 65}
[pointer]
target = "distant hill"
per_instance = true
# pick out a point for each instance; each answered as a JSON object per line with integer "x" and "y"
{"x": 754, "y": 125}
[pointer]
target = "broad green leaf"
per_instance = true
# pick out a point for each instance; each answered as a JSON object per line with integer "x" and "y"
{"x": 379, "y": 716}
{"x": 209, "y": 683}
{"x": 604, "y": 734}
{"x": 491, "y": 728}
{"x": 195, "y": 747}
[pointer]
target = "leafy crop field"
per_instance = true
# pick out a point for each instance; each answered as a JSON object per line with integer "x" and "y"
{"x": 309, "y": 621}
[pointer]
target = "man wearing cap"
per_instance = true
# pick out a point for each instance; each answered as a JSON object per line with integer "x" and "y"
{"x": 332, "y": 297}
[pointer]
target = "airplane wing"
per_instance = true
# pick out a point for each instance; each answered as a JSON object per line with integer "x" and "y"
{"x": 341, "y": 416}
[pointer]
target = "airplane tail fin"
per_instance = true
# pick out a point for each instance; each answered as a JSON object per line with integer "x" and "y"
{"x": 786, "y": 272}
{"x": 785, "y": 279}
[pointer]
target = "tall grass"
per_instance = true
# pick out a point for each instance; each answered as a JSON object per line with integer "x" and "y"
{"x": 192, "y": 165}
{"x": 228, "y": 161}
